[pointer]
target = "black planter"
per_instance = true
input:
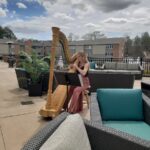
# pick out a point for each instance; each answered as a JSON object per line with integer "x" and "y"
{"x": 35, "y": 89}
{"x": 22, "y": 77}
{"x": 45, "y": 81}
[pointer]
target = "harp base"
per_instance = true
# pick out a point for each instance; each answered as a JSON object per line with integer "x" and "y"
{"x": 44, "y": 112}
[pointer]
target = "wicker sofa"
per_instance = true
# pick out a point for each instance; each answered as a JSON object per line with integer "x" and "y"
{"x": 95, "y": 134}
{"x": 118, "y": 139}
{"x": 122, "y": 68}
{"x": 99, "y": 137}
{"x": 145, "y": 86}
{"x": 100, "y": 79}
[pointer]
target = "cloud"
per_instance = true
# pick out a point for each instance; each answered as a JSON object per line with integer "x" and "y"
{"x": 3, "y": 2}
{"x": 113, "y": 5}
{"x": 21, "y": 5}
{"x": 80, "y": 6}
{"x": 81, "y": 17}
{"x": 3, "y": 12}
{"x": 30, "y": 26}
{"x": 63, "y": 16}
{"x": 116, "y": 20}
{"x": 91, "y": 25}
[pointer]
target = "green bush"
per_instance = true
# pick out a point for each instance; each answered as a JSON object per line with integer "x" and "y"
{"x": 35, "y": 67}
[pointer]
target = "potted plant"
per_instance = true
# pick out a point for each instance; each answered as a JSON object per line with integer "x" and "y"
{"x": 35, "y": 69}
{"x": 21, "y": 73}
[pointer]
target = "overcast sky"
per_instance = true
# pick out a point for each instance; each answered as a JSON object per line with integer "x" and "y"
{"x": 114, "y": 18}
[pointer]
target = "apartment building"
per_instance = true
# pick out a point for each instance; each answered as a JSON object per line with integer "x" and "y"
{"x": 107, "y": 47}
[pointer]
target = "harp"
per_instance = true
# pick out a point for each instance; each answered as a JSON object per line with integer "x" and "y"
{"x": 56, "y": 100}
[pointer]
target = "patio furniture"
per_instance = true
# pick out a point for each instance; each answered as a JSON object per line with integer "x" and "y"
{"x": 100, "y": 137}
{"x": 100, "y": 79}
{"x": 145, "y": 86}
{"x": 123, "y": 114}
{"x": 123, "y": 68}
{"x": 92, "y": 65}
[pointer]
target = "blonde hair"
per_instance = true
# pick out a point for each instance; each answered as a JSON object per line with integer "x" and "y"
{"x": 84, "y": 55}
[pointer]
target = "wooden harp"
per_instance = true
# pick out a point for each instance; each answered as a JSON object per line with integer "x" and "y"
{"x": 56, "y": 100}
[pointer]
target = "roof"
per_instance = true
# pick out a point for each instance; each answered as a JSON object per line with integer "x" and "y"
{"x": 102, "y": 41}
{"x": 6, "y": 41}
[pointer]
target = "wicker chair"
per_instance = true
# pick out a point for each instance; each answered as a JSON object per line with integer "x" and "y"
{"x": 113, "y": 139}
{"x": 94, "y": 134}
{"x": 100, "y": 137}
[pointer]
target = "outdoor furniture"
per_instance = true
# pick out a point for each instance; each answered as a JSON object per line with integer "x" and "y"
{"x": 145, "y": 86}
{"x": 123, "y": 68}
{"x": 100, "y": 137}
{"x": 92, "y": 65}
{"x": 45, "y": 133}
{"x": 100, "y": 79}
{"x": 122, "y": 116}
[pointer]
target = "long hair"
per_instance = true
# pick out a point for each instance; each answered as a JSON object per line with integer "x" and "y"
{"x": 83, "y": 55}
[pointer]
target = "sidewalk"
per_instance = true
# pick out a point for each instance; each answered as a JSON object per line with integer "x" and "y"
{"x": 18, "y": 122}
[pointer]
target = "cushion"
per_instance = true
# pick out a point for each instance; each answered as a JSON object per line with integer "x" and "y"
{"x": 70, "y": 135}
{"x": 120, "y": 104}
{"x": 110, "y": 65}
{"x": 133, "y": 66}
{"x": 121, "y": 66}
{"x": 136, "y": 128}
{"x": 92, "y": 65}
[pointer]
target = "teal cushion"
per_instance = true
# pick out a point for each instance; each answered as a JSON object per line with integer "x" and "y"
{"x": 136, "y": 128}
{"x": 120, "y": 104}
{"x": 92, "y": 65}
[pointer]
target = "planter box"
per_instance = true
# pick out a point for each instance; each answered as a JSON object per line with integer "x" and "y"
{"x": 35, "y": 89}
{"x": 45, "y": 82}
{"x": 22, "y": 77}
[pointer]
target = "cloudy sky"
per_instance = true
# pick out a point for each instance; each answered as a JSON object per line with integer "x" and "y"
{"x": 115, "y": 18}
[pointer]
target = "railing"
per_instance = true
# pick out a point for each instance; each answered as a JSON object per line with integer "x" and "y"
{"x": 146, "y": 66}
{"x": 145, "y": 63}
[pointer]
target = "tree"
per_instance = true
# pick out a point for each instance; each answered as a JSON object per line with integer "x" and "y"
{"x": 70, "y": 37}
{"x": 145, "y": 41}
{"x": 93, "y": 35}
{"x": 128, "y": 46}
{"x": 1, "y": 32}
{"x": 73, "y": 37}
{"x": 6, "y": 32}
{"x": 137, "y": 46}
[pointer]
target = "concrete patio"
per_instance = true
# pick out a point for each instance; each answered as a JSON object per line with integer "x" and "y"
{"x": 19, "y": 122}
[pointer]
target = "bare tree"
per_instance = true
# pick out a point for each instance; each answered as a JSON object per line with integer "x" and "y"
{"x": 93, "y": 35}
{"x": 73, "y": 37}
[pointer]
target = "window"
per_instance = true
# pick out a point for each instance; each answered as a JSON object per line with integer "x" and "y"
{"x": 88, "y": 49}
{"x": 72, "y": 49}
{"x": 109, "y": 46}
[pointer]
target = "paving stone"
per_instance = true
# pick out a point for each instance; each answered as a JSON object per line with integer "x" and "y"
{"x": 2, "y": 146}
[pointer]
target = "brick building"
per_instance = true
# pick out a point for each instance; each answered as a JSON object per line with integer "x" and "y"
{"x": 108, "y": 47}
